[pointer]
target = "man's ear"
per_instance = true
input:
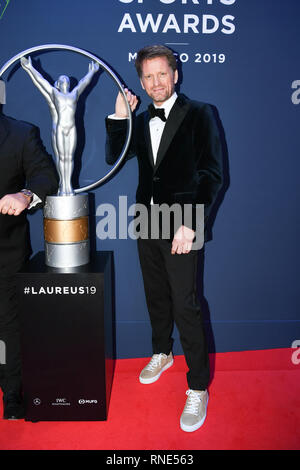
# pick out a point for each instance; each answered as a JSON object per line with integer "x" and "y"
{"x": 176, "y": 76}
{"x": 142, "y": 85}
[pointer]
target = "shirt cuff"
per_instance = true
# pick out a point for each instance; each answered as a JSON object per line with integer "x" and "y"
{"x": 113, "y": 116}
{"x": 35, "y": 200}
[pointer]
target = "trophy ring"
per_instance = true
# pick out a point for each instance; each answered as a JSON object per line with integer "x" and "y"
{"x": 77, "y": 50}
{"x": 66, "y": 216}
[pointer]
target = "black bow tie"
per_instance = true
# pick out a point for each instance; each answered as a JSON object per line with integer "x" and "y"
{"x": 160, "y": 112}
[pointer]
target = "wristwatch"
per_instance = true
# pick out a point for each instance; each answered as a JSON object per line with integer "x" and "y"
{"x": 27, "y": 193}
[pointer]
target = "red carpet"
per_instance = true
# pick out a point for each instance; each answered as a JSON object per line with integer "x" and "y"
{"x": 254, "y": 404}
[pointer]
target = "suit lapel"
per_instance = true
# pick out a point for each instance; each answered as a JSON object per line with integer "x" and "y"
{"x": 176, "y": 116}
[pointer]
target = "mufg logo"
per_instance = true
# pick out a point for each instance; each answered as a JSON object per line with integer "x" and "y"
{"x": 3, "y": 6}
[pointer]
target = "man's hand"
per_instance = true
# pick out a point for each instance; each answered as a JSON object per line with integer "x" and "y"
{"x": 183, "y": 240}
{"x": 14, "y": 204}
{"x": 121, "y": 108}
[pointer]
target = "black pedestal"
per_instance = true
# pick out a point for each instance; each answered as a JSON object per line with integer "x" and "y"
{"x": 67, "y": 329}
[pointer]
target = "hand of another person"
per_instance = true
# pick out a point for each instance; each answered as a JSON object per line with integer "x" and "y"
{"x": 183, "y": 240}
{"x": 14, "y": 204}
{"x": 121, "y": 108}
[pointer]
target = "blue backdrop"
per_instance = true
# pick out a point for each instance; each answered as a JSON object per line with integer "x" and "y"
{"x": 243, "y": 57}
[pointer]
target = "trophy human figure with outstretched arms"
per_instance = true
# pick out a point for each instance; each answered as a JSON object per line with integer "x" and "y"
{"x": 62, "y": 103}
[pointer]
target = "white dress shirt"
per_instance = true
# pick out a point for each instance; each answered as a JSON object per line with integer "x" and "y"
{"x": 157, "y": 125}
{"x": 35, "y": 201}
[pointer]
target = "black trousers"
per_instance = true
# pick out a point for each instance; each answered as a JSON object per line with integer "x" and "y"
{"x": 10, "y": 363}
{"x": 171, "y": 296}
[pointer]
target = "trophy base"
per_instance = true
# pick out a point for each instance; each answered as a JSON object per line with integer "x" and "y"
{"x": 67, "y": 255}
{"x": 66, "y": 231}
{"x": 68, "y": 339}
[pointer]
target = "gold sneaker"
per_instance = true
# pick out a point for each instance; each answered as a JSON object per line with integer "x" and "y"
{"x": 153, "y": 370}
{"x": 194, "y": 412}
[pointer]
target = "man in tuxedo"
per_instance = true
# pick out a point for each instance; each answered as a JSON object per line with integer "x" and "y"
{"x": 180, "y": 161}
{"x": 27, "y": 176}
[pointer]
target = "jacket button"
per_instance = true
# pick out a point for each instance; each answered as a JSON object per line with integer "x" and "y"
{"x": 156, "y": 179}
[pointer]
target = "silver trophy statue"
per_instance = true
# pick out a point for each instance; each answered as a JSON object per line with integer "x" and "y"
{"x": 65, "y": 215}
{"x": 66, "y": 230}
{"x": 62, "y": 104}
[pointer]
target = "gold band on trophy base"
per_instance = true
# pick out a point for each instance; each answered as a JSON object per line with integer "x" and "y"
{"x": 66, "y": 231}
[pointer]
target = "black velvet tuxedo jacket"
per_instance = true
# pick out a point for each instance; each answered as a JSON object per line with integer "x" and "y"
{"x": 24, "y": 163}
{"x": 188, "y": 168}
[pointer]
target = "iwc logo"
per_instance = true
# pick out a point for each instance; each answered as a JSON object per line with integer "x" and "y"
{"x": 61, "y": 402}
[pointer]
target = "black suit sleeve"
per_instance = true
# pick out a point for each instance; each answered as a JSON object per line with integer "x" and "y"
{"x": 209, "y": 168}
{"x": 116, "y": 130}
{"x": 38, "y": 167}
